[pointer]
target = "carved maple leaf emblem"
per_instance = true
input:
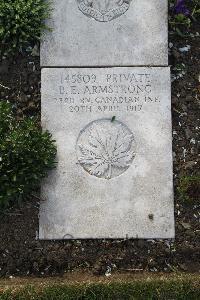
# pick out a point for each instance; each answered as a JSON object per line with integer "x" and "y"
{"x": 107, "y": 147}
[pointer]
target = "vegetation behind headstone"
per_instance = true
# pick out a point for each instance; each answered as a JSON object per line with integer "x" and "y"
{"x": 21, "y": 23}
{"x": 26, "y": 154}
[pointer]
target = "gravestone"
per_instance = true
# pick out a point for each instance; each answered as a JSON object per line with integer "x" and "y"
{"x": 121, "y": 33}
{"x": 106, "y": 98}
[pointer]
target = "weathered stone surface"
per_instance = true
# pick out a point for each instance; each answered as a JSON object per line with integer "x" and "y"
{"x": 114, "y": 173}
{"x": 106, "y": 33}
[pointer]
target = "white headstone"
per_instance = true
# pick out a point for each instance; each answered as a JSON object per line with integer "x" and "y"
{"x": 113, "y": 132}
{"x": 106, "y": 33}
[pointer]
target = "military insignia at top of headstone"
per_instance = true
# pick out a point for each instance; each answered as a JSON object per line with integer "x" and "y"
{"x": 103, "y": 10}
{"x": 90, "y": 33}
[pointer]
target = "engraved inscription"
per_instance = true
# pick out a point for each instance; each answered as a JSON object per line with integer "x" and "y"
{"x": 130, "y": 92}
{"x": 106, "y": 149}
{"x": 103, "y": 10}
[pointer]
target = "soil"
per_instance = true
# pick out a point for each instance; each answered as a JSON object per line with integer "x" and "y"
{"x": 21, "y": 253}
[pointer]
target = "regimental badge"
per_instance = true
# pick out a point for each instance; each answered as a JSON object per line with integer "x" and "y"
{"x": 103, "y": 10}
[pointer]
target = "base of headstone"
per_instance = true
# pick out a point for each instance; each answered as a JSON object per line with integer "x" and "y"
{"x": 113, "y": 131}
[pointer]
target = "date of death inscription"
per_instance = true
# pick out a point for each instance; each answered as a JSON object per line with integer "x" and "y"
{"x": 87, "y": 93}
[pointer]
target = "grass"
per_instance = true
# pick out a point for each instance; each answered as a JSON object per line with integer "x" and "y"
{"x": 189, "y": 189}
{"x": 179, "y": 287}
